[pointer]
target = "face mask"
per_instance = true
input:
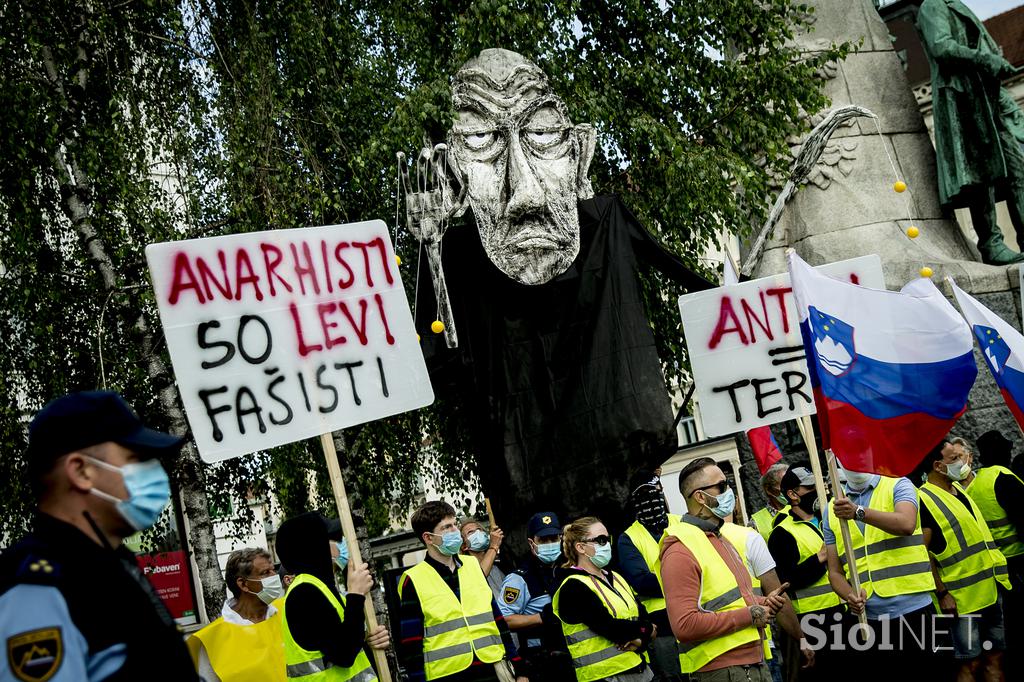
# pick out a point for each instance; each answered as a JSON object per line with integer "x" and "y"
{"x": 781, "y": 499}
{"x": 148, "y": 488}
{"x": 602, "y": 555}
{"x": 549, "y": 552}
{"x": 479, "y": 540}
{"x": 856, "y": 480}
{"x": 451, "y": 543}
{"x": 726, "y": 504}
{"x": 342, "y": 558}
{"x": 809, "y": 502}
{"x": 957, "y": 471}
{"x": 272, "y": 589}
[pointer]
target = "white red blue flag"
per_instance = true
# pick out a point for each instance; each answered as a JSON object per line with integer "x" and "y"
{"x": 890, "y": 370}
{"x": 1001, "y": 345}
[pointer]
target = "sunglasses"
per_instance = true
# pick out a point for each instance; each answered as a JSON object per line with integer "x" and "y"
{"x": 600, "y": 540}
{"x": 720, "y": 487}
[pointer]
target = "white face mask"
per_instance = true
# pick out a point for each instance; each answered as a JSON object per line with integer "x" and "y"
{"x": 856, "y": 480}
{"x": 958, "y": 470}
{"x": 272, "y": 588}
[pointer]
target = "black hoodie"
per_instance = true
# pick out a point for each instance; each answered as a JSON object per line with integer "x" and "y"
{"x": 302, "y": 545}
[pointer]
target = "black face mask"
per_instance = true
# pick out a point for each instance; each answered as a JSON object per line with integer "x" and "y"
{"x": 808, "y": 501}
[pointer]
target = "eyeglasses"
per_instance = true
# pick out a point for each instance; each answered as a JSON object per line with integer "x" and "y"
{"x": 600, "y": 540}
{"x": 721, "y": 486}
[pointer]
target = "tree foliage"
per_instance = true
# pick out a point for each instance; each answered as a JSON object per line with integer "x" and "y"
{"x": 207, "y": 117}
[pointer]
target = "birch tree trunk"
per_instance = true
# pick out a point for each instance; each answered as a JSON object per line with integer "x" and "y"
{"x": 76, "y": 202}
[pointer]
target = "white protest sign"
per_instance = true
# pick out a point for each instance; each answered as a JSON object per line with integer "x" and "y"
{"x": 745, "y": 350}
{"x": 283, "y": 335}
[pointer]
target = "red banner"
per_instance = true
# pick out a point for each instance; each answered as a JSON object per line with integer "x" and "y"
{"x": 168, "y": 575}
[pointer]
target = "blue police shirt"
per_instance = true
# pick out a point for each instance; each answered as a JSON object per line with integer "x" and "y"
{"x": 878, "y": 606}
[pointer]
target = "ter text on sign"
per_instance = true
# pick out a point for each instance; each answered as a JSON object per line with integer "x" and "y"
{"x": 283, "y": 335}
{"x": 745, "y": 349}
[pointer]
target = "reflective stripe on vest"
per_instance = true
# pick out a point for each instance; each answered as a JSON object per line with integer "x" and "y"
{"x": 593, "y": 656}
{"x": 738, "y": 537}
{"x": 647, "y": 545}
{"x": 969, "y": 564}
{"x": 983, "y": 492}
{"x": 890, "y": 565}
{"x": 809, "y": 541}
{"x": 718, "y": 589}
{"x": 455, "y": 629}
{"x": 311, "y": 666}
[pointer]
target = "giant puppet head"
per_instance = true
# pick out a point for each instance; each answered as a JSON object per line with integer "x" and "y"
{"x": 524, "y": 163}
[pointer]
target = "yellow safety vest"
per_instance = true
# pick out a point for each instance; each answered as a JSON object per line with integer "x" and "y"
{"x": 593, "y": 656}
{"x": 719, "y": 592}
{"x": 241, "y": 653}
{"x": 737, "y": 536}
{"x": 647, "y": 545}
{"x": 455, "y": 629}
{"x": 311, "y": 666}
{"x": 969, "y": 565}
{"x": 809, "y": 541}
{"x": 983, "y": 491}
{"x": 766, "y": 518}
{"x": 890, "y": 565}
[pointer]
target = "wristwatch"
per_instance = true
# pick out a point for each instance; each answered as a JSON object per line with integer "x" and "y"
{"x": 859, "y": 514}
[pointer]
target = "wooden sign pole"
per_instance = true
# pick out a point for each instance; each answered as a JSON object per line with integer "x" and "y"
{"x": 490, "y": 513}
{"x": 807, "y": 431}
{"x": 349, "y": 529}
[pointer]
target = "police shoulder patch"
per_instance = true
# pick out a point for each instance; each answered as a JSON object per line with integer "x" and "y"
{"x": 510, "y": 594}
{"x": 36, "y": 655}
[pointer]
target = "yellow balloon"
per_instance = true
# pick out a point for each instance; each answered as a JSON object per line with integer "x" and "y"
{"x": 899, "y": 187}
{"x": 437, "y": 326}
{"x": 912, "y": 231}
{"x": 926, "y": 271}
{"x": 398, "y": 259}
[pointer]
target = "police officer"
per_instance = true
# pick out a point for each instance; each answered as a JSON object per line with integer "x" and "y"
{"x": 73, "y": 603}
{"x": 526, "y": 601}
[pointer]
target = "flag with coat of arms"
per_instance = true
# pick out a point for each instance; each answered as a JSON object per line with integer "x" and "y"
{"x": 890, "y": 370}
{"x": 1001, "y": 345}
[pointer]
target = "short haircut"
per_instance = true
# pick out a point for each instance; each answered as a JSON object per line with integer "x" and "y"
{"x": 774, "y": 475}
{"x": 466, "y": 522}
{"x": 240, "y": 565}
{"x": 934, "y": 455}
{"x": 690, "y": 471}
{"x": 426, "y": 518}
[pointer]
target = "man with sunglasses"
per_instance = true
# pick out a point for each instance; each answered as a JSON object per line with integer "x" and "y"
{"x": 712, "y": 609}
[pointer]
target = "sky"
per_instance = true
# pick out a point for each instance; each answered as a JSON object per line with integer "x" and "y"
{"x": 989, "y": 8}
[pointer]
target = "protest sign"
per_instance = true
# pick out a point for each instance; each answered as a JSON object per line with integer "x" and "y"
{"x": 746, "y": 354}
{"x": 288, "y": 334}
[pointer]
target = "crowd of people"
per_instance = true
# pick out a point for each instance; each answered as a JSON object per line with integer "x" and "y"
{"x": 693, "y": 595}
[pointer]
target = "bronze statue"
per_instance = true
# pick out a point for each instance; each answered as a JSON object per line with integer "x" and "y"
{"x": 978, "y": 134}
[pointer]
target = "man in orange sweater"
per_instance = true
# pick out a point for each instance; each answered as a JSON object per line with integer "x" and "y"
{"x": 712, "y": 609}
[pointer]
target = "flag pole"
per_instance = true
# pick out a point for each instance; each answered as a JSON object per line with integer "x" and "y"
{"x": 807, "y": 431}
{"x": 490, "y": 512}
{"x": 844, "y": 528}
{"x": 349, "y": 528}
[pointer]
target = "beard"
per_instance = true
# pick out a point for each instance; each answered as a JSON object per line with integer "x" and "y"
{"x": 533, "y": 247}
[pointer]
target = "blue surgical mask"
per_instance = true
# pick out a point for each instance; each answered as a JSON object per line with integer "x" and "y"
{"x": 451, "y": 543}
{"x": 549, "y": 552}
{"x": 149, "y": 491}
{"x": 342, "y": 558}
{"x": 602, "y": 555}
{"x": 479, "y": 540}
{"x": 726, "y": 504}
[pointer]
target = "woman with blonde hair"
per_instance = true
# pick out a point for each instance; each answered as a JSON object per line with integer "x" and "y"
{"x": 606, "y": 629}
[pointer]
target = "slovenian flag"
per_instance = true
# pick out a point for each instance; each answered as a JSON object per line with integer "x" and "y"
{"x": 890, "y": 370}
{"x": 1002, "y": 346}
